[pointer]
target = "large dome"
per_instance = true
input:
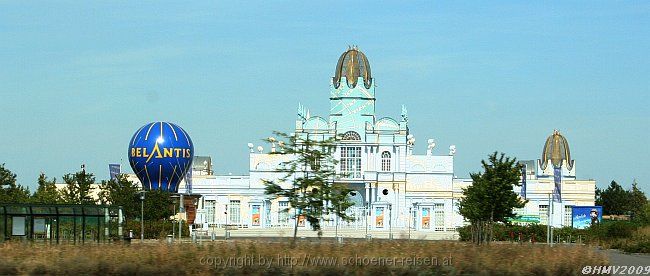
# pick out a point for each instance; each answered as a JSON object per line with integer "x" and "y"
{"x": 557, "y": 151}
{"x": 352, "y": 65}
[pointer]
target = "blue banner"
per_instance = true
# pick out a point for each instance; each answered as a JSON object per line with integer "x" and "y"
{"x": 114, "y": 170}
{"x": 523, "y": 182}
{"x": 585, "y": 216}
{"x": 188, "y": 181}
{"x": 557, "y": 177}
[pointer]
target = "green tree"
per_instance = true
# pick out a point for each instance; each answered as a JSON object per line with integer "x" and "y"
{"x": 10, "y": 191}
{"x": 637, "y": 200}
{"x": 121, "y": 192}
{"x": 614, "y": 199}
{"x": 158, "y": 205}
{"x": 309, "y": 181}
{"x": 491, "y": 198}
{"x": 79, "y": 188}
{"x": 46, "y": 193}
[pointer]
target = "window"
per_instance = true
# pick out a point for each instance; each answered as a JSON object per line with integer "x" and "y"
{"x": 209, "y": 207}
{"x": 439, "y": 213}
{"x": 351, "y": 136}
{"x": 351, "y": 162}
{"x": 543, "y": 214}
{"x": 568, "y": 215}
{"x": 385, "y": 161}
{"x": 519, "y": 211}
{"x": 283, "y": 216}
{"x": 235, "y": 211}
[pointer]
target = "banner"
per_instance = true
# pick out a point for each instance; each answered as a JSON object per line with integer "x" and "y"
{"x": 523, "y": 182}
{"x": 379, "y": 217}
{"x": 557, "y": 178}
{"x": 301, "y": 221}
{"x": 426, "y": 218}
{"x": 18, "y": 226}
{"x": 256, "y": 215}
{"x": 585, "y": 216}
{"x": 188, "y": 181}
{"x": 114, "y": 170}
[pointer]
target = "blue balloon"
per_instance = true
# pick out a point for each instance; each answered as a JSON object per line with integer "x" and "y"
{"x": 160, "y": 154}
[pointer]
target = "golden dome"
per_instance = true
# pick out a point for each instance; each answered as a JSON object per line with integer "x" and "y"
{"x": 557, "y": 151}
{"x": 352, "y": 65}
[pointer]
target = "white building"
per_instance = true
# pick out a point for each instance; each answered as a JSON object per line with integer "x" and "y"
{"x": 393, "y": 188}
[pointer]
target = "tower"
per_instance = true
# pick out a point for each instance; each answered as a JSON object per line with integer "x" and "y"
{"x": 352, "y": 93}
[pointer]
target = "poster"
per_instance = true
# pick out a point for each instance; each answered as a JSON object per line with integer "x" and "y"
{"x": 114, "y": 170}
{"x": 379, "y": 217}
{"x": 18, "y": 226}
{"x": 585, "y": 216}
{"x": 426, "y": 218}
{"x": 256, "y": 215}
{"x": 301, "y": 221}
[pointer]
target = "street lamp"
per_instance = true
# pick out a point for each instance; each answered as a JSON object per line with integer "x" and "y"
{"x": 390, "y": 221}
{"x": 367, "y": 213}
{"x": 142, "y": 216}
{"x": 412, "y": 216}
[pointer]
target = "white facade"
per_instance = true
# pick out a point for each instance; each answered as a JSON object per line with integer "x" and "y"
{"x": 393, "y": 188}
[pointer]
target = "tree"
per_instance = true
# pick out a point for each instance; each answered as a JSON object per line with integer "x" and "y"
{"x": 46, "y": 193}
{"x": 491, "y": 198}
{"x": 637, "y": 200}
{"x": 308, "y": 181}
{"x": 10, "y": 191}
{"x": 78, "y": 189}
{"x": 157, "y": 205}
{"x": 121, "y": 192}
{"x": 614, "y": 199}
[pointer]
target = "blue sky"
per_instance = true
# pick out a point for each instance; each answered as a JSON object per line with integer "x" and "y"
{"x": 78, "y": 78}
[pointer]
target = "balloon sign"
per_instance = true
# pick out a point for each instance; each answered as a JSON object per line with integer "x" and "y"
{"x": 160, "y": 154}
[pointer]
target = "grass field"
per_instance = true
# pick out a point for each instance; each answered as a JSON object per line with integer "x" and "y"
{"x": 308, "y": 258}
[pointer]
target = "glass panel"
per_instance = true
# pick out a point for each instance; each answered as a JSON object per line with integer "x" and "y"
{"x": 92, "y": 229}
{"x": 67, "y": 229}
{"x": 17, "y": 210}
{"x": 44, "y": 210}
{"x": 66, "y": 211}
{"x": 78, "y": 210}
{"x": 92, "y": 211}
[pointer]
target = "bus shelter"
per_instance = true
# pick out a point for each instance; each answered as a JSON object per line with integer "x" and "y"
{"x": 60, "y": 223}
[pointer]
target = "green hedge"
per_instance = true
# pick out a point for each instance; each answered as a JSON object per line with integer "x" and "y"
{"x": 157, "y": 229}
{"x": 605, "y": 232}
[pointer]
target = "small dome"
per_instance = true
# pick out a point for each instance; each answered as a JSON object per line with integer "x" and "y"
{"x": 557, "y": 151}
{"x": 352, "y": 65}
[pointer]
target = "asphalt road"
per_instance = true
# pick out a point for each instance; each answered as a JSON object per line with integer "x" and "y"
{"x": 618, "y": 258}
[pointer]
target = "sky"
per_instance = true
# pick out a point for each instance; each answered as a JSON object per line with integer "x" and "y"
{"x": 78, "y": 78}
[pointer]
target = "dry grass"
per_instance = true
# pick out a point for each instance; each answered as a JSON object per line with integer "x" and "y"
{"x": 244, "y": 257}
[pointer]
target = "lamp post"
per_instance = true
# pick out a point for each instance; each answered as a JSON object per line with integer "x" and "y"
{"x": 390, "y": 221}
{"x": 367, "y": 213}
{"x": 142, "y": 216}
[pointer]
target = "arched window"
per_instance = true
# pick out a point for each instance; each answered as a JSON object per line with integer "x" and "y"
{"x": 351, "y": 136}
{"x": 385, "y": 161}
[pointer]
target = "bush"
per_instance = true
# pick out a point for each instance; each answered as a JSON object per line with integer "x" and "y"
{"x": 157, "y": 229}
